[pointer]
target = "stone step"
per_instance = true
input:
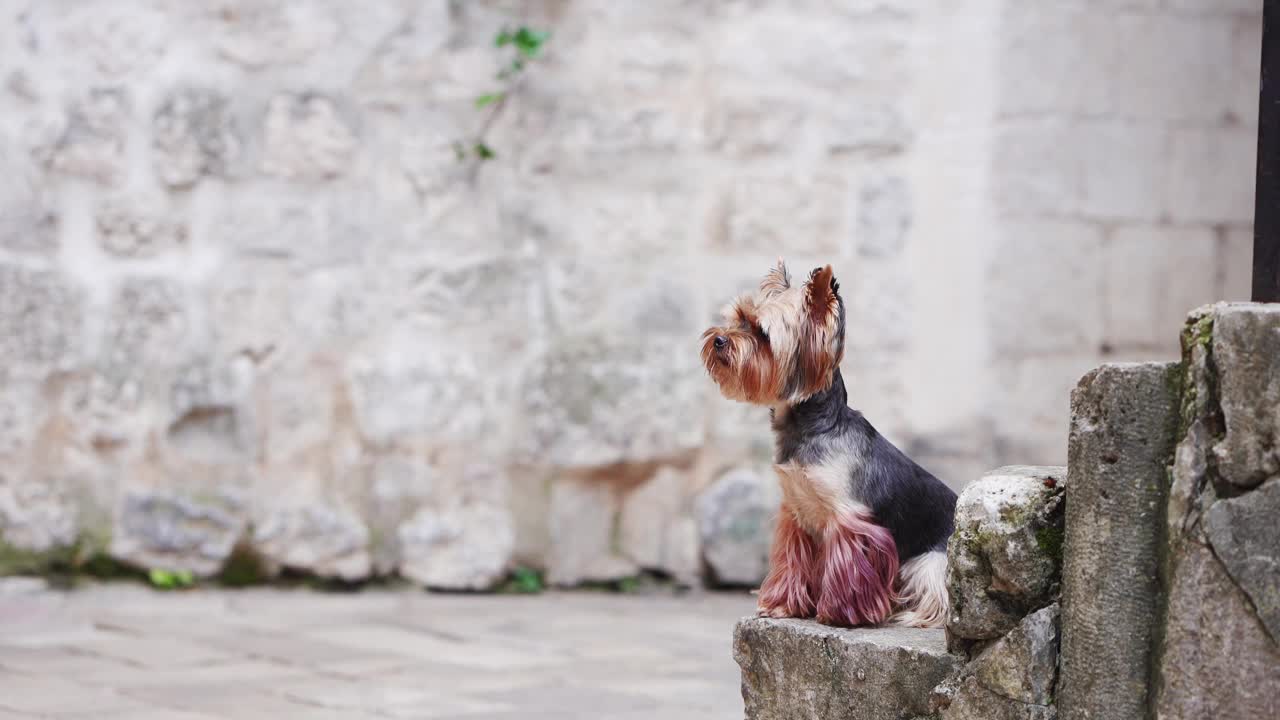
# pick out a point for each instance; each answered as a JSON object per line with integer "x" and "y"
{"x": 798, "y": 669}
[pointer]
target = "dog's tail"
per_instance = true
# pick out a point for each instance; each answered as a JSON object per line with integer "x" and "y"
{"x": 922, "y": 593}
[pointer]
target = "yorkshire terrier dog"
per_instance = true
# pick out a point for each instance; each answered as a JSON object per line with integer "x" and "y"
{"x": 862, "y": 534}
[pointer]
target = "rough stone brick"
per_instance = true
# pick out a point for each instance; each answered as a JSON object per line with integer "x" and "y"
{"x": 1246, "y": 539}
{"x": 1236, "y": 260}
{"x": 805, "y": 215}
{"x": 1217, "y": 660}
{"x": 29, "y": 221}
{"x": 736, "y": 514}
{"x": 1004, "y": 559}
{"x": 88, "y": 141}
{"x": 316, "y": 537}
{"x": 1149, "y": 290}
{"x": 1228, "y": 666}
{"x": 588, "y": 402}
{"x": 1013, "y": 679}
{"x": 1043, "y": 288}
{"x": 1036, "y": 167}
{"x": 195, "y": 135}
{"x": 1122, "y": 167}
{"x": 1246, "y": 358}
{"x": 138, "y": 227}
{"x": 1211, "y": 175}
{"x": 884, "y": 217}
{"x": 176, "y": 530}
{"x": 656, "y": 527}
{"x": 1023, "y": 665}
{"x": 1093, "y": 58}
{"x": 1124, "y": 418}
{"x": 36, "y": 517}
{"x": 257, "y": 34}
{"x": 799, "y": 669}
{"x": 467, "y": 547}
{"x": 41, "y": 316}
{"x": 306, "y": 138}
{"x": 403, "y": 390}
{"x": 581, "y": 521}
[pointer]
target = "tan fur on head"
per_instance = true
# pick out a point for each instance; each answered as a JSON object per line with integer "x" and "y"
{"x": 782, "y": 345}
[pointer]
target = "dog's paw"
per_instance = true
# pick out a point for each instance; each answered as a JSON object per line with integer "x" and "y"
{"x": 773, "y": 612}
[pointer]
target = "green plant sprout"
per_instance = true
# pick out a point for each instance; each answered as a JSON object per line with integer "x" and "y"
{"x": 171, "y": 579}
{"x": 527, "y": 45}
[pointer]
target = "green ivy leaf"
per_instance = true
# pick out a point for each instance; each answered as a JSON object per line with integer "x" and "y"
{"x": 161, "y": 578}
{"x": 170, "y": 579}
{"x": 488, "y": 99}
{"x": 529, "y": 42}
{"x": 503, "y": 39}
{"x": 484, "y": 152}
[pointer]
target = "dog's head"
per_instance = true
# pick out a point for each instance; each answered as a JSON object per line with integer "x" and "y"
{"x": 780, "y": 345}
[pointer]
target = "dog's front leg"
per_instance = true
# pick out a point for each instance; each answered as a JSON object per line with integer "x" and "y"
{"x": 790, "y": 588}
{"x": 859, "y": 564}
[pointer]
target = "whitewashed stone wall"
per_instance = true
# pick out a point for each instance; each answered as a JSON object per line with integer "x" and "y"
{"x": 248, "y": 295}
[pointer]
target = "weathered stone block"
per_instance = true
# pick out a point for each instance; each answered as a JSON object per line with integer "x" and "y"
{"x": 1120, "y": 164}
{"x": 884, "y": 217}
{"x": 404, "y": 389}
{"x": 1246, "y": 360}
{"x": 195, "y": 136}
{"x": 1056, "y": 263}
{"x": 138, "y": 227}
{"x": 164, "y": 529}
{"x": 806, "y": 216}
{"x": 464, "y": 547}
{"x": 1219, "y": 187}
{"x": 656, "y": 528}
{"x": 1004, "y": 559}
{"x": 315, "y": 537}
{"x": 257, "y": 34}
{"x": 1023, "y": 665}
{"x": 41, "y": 316}
{"x": 736, "y": 515}
{"x": 1142, "y": 306}
{"x": 1123, "y": 422}
{"x": 1217, "y": 658}
{"x": 1012, "y": 679}
{"x": 306, "y": 138}
{"x": 795, "y": 669}
{"x": 89, "y": 140}
{"x": 589, "y": 402}
{"x": 971, "y": 700}
{"x": 36, "y": 516}
{"x": 1245, "y": 537}
{"x": 583, "y": 515}
{"x": 28, "y": 213}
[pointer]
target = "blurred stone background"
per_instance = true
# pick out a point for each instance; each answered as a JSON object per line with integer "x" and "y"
{"x": 251, "y": 301}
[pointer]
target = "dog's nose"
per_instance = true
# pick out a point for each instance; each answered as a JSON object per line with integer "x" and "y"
{"x": 720, "y": 342}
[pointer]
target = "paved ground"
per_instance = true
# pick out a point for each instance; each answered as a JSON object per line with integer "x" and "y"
{"x": 124, "y": 651}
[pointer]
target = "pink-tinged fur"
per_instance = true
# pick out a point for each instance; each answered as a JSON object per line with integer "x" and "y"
{"x": 790, "y": 588}
{"x": 859, "y": 564}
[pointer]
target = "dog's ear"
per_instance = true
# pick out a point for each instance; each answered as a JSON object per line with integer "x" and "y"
{"x": 822, "y": 294}
{"x": 777, "y": 280}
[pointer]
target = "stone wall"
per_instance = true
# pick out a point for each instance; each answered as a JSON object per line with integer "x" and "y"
{"x": 250, "y": 298}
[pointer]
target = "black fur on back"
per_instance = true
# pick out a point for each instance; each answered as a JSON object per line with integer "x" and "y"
{"x": 916, "y": 507}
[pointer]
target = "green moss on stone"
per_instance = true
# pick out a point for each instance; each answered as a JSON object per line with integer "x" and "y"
{"x": 1049, "y": 540}
{"x": 20, "y": 561}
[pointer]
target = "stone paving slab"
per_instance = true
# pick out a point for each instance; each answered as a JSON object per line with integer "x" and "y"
{"x": 122, "y": 651}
